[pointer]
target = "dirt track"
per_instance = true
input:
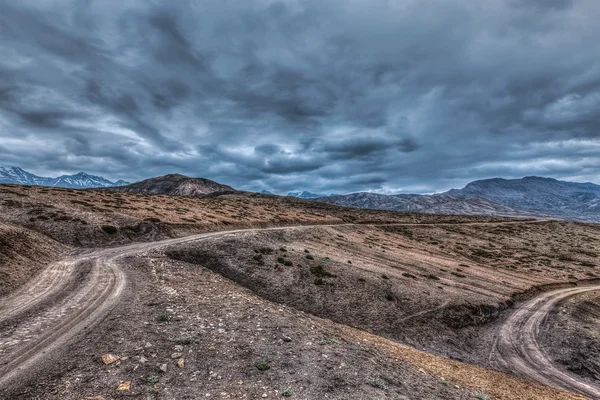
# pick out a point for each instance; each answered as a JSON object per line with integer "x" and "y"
{"x": 518, "y": 347}
{"x": 75, "y": 294}
{"x": 69, "y": 296}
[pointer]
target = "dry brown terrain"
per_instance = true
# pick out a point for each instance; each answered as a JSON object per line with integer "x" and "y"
{"x": 334, "y": 311}
{"x": 23, "y": 253}
{"x": 77, "y": 217}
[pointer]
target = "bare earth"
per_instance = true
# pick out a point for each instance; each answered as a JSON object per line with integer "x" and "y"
{"x": 340, "y": 309}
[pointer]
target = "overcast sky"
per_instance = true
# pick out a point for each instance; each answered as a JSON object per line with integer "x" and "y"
{"x": 324, "y": 95}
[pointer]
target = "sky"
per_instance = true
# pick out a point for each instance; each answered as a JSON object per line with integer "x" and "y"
{"x": 333, "y": 96}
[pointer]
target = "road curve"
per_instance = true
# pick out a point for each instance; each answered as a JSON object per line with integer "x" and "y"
{"x": 69, "y": 297}
{"x": 75, "y": 294}
{"x": 518, "y": 347}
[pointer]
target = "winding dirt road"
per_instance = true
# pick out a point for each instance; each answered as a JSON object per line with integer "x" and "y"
{"x": 73, "y": 295}
{"x": 519, "y": 350}
{"x": 69, "y": 297}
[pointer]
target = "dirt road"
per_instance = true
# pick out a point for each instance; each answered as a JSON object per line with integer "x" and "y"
{"x": 518, "y": 347}
{"x": 74, "y": 295}
{"x": 67, "y": 298}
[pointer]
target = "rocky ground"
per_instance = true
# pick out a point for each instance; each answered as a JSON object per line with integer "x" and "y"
{"x": 319, "y": 312}
{"x": 92, "y": 218}
{"x": 186, "y": 332}
{"x": 431, "y": 287}
{"x": 572, "y": 335}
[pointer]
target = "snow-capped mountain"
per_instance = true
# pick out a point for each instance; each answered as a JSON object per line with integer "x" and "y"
{"x": 18, "y": 176}
{"x": 304, "y": 195}
{"x": 308, "y": 195}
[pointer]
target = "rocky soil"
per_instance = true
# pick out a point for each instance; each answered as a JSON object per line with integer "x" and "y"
{"x": 23, "y": 253}
{"x": 572, "y": 335}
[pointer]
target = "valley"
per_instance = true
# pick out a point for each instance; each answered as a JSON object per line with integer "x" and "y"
{"x": 264, "y": 297}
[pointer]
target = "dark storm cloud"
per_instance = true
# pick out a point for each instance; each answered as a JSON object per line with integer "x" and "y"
{"x": 333, "y": 96}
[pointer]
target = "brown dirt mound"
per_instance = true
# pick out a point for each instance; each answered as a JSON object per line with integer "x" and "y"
{"x": 22, "y": 254}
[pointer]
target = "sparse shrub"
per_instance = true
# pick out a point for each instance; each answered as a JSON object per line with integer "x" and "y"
{"x": 458, "y": 274}
{"x": 163, "y": 318}
{"x": 289, "y": 263}
{"x": 329, "y": 340}
{"x": 283, "y": 249}
{"x": 262, "y": 366}
{"x": 384, "y": 276}
{"x": 433, "y": 277}
{"x": 286, "y": 393}
{"x": 349, "y": 262}
{"x": 265, "y": 250}
{"x": 319, "y": 282}
{"x": 389, "y": 297}
{"x": 152, "y": 379}
{"x": 306, "y": 251}
{"x": 377, "y": 382}
{"x": 481, "y": 396}
{"x": 408, "y": 275}
{"x": 310, "y": 257}
{"x": 152, "y": 219}
{"x": 321, "y": 272}
{"x": 111, "y": 230}
{"x": 280, "y": 260}
{"x": 82, "y": 203}
{"x": 184, "y": 340}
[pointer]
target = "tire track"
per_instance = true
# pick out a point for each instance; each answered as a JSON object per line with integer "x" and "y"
{"x": 518, "y": 348}
{"x": 66, "y": 299}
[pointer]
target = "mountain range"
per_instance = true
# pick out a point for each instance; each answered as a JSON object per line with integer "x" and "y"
{"x": 529, "y": 196}
{"x": 534, "y": 196}
{"x": 81, "y": 180}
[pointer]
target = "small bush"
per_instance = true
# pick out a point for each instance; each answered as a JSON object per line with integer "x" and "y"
{"x": 286, "y": 393}
{"x": 377, "y": 382}
{"x": 152, "y": 379}
{"x": 265, "y": 250}
{"x": 310, "y": 257}
{"x": 321, "y": 272}
{"x": 289, "y": 263}
{"x": 111, "y": 230}
{"x": 262, "y": 366}
{"x": 329, "y": 340}
{"x": 384, "y": 276}
{"x": 163, "y": 318}
{"x": 458, "y": 274}
{"x": 433, "y": 277}
{"x": 280, "y": 260}
{"x": 81, "y": 203}
{"x": 408, "y": 275}
{"x": 184, "y": 340}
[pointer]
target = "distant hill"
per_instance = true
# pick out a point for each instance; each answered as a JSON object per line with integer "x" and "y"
{"x": 17, "y": 176}
{"x": 542, "y": 195}
{"x": 175, "y": 184}
{"x": 529, "y": 196}
{"x": 428, "y": 204}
